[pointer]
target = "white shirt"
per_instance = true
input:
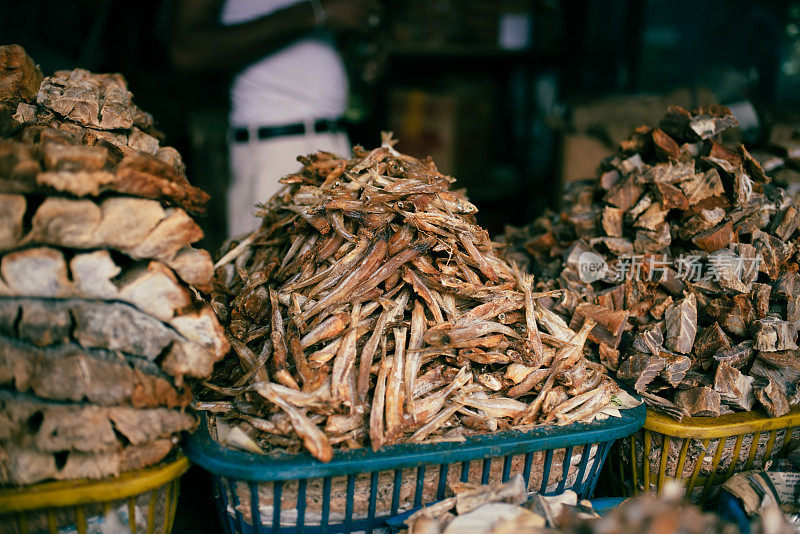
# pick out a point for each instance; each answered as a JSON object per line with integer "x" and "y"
{"x": 303, "y": 81}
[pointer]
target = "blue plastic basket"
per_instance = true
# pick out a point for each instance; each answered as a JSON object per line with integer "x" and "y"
{"x": 359, "y": 489}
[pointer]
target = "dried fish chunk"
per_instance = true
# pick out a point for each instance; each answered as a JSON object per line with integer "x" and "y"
{"x": 700, "y": 401}
{"x": 734, "y": 387}
{"x": 773, "y": 335}
{"x": 681, "y": 325}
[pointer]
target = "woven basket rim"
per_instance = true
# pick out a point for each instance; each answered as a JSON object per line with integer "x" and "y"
{"x": 724, "y": 426}
{"x": 86, "y": 491}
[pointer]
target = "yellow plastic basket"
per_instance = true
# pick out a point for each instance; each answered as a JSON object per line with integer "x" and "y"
{"x": 148, "y": 497}
{"x": 702, "y": 452}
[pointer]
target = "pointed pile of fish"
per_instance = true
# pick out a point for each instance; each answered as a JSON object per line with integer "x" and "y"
{"x": 368, "y": 308}
{"x": 685, "y": 253}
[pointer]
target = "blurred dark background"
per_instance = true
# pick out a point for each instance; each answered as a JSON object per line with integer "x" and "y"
{"x": 512, "y": 97}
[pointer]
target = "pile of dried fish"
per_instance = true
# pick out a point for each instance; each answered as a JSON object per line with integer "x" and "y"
{"x": 497, "y": 508}
{"x": 368, "y": 307}
{"x": 99, "y": 316}
{"x": 686, "y": 256}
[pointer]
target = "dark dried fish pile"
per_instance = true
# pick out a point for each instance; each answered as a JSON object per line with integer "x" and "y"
{"x": 686, "y": 256}
{"x": 368, "y": 307}
{"x": 100, "y": 319}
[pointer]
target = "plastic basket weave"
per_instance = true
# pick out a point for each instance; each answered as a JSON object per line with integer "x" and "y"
{"x": 147, "y": 498}
{"x": 702, "y": 452}
{"x": 359, "y": 489}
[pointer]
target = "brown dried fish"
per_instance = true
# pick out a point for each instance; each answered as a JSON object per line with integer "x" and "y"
{"x": 325, "y": 283}
{"x": 342, "y": 376}
{"x": 313, "y": 438}
{"x": 377, "y": 427}
{"x": 773, "y": 399}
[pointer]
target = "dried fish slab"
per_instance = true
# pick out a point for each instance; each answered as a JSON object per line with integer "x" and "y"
{"x": 681, "y": 320}
{"x": 701, "y": 401}
{"x": 101, "y": 315}
{"x": 773, "y": 335}
{"x": 734, "y": 387}
{"x": 83, "y": 427}
{"x": 68, "y": 372}
{"x": 22, "y": 466}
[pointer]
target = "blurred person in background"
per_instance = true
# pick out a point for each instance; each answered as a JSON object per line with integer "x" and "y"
{"x": 289, "y": 89}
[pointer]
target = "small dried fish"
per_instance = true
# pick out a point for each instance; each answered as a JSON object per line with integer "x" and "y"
{"x": 377, "y": 428}
{"x": 394, "y": 385}
{"x": 533, "y": 343}
{"x": 313, "y": 438}
{"x": 413, "y": 356}
{"x": 434, "y": 423}
{"x": 425, "y": 407}
{"x": 328, "y": 329}
{"x": 341, "y": 376}
{"x": 495, "y": 407}
{"x": 318, "y": 302}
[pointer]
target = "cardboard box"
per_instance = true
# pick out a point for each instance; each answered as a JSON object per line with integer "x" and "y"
{"x": 580, "y": 156}
{"x": 595, "y": 128}
{"x": 613, "y": 118}
{"x": 452, "y": 127}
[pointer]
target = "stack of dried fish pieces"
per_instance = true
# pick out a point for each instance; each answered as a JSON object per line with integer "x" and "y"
{"x": 369, "y": 308}
{"x": 100, "y": 318}
{"x": 686, "y": 256}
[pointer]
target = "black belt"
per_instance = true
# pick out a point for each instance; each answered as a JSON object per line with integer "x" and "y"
{"x": 242, "y": 135}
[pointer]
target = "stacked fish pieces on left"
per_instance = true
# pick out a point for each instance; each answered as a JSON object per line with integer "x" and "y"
{"x": 100, "y": 312}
